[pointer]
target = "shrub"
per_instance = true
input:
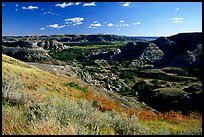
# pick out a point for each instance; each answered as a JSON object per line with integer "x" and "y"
{"x": 11, "y": 91}
{"x": 65, "y": 116}
{"x": 88, "y": 119}
{"x": 76, "y": 86}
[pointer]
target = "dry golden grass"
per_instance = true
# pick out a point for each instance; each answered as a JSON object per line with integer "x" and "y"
{"x": 35, "y": 79}
{"x": 11, "y": 60}
{"x": 51, "y": 127}
{"x": 13, "y": 122}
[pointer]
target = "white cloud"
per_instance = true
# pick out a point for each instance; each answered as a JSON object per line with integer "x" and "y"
{"x": 137, "y": 23}
{"x": 42, "y": 28}
{"x": 90, "y": 4}
{"x": 3, "y": 4}
{"x": 122, "y": 25}
{"x": 63, "y": 5}
{"x": 16, "y": 9}
{"x": 49, "y": 12}
{"x": 77, "y": 3}
{"x": 110, "y": 24}
{"x": 122, "y": 21}
{"x": 56, "y": 26}
{"x": 177, "y": 9}
{"x": 95, "y": 25}
{"x": 75, "y": 21}
{"x": 178, "y": 20}
{"x": 125, "y": 4}
{"x": 91, "y": 27}
{"x": 125, "y": 25}
{"x": 30, "y": 7}
{"x": 16, "y": 5}
{"x": 95, "y": 21}
{"x": 68, "y": 23}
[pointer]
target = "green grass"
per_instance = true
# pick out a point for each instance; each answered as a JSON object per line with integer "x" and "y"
{"x": 70, "y": 54}
{"x": 76, "y": 86}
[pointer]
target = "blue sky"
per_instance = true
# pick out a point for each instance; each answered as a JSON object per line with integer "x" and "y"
{"x": 120, "y": 18}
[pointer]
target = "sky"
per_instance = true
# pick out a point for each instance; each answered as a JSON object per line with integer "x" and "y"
{"x": 120, "y": 18}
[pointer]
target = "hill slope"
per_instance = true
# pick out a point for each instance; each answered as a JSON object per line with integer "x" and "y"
{"x": 35, "y": 101}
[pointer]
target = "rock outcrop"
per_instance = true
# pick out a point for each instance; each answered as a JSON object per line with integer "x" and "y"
{"x": 30, "y": 44}
{"x": 189, "y": 59}
{"x": 186, "y": 40}
{"x": 34, "y": 55}
{"x": 146, "y": 51}
{"x": 21, "y": 44}
{"x": 27, "y": 44}
{"x": 168, "y": 47}
{"x": 51, "y": 45}
{"x": 183, "y": 50}
{"x": 131, "y": 50}
{"x": 152, "y": 54}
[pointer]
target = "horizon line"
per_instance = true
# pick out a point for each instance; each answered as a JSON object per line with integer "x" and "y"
{"x": 104, "y": 34}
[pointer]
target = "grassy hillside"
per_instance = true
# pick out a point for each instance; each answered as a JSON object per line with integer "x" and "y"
{"x": 38, "y": 102}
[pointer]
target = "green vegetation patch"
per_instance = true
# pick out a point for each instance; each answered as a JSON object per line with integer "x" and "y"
{"x": 76, "y": 86}
{"x": 70, "y": 54}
